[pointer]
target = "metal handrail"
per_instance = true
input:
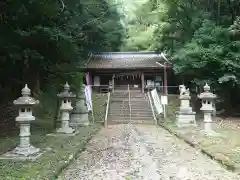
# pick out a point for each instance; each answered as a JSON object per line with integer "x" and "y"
{"x": 152, "y": 108}
{"x": 107, "y": 108}
{"x": 129, "y": 103}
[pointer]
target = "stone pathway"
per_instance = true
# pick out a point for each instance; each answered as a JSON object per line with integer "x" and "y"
{"x": 142, "y": 152}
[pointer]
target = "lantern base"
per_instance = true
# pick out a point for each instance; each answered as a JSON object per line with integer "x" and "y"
{"x": 26, "y": 151}
{"x": 79, "y": 120}
{"x": 22, "y": 154}
{"x": 185, "y": 119}
{"x": 211, "y": 133}
{"x": 66, "y": 130}
{"x": 62, "y": 134}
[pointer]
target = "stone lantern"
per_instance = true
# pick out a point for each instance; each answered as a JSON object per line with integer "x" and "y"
{"x": 207, "y": 107}
{"x": 79, "y": 115}
{"x": 65, "y": 109}
{"x": 185, "y": 116}
{"x": 25, "y": 105}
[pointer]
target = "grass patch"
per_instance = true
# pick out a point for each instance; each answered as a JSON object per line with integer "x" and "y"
{"x": 225, "y": 148}
{"x": 50, "y": 164}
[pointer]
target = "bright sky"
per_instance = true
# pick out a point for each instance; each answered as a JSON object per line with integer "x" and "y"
{"x": 128, "y": 7}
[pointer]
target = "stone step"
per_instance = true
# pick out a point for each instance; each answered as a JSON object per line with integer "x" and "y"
{"x": 138, "y": 98}
{"x": 140, "y": 107}
{"x": 119, "y": 113}
{"x": 119, "y": 100}
{"x": 139, "y": 102}
{"x": 133, "y": 115}
{"x": 142, "y": 115}
{"x": 142, "y": 110}
{"x": 118, "y": 106}
{"x": 113, "y": 116}
{"x": 120, "y": 103}
{"x": 112, "y": 122}
{"x": 127, "y": 114}
{"x": 127, "y": 111}
{"x": 119, "y": 110}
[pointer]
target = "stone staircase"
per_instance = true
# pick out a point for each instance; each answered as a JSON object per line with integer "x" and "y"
{"x": 119, "y": 108}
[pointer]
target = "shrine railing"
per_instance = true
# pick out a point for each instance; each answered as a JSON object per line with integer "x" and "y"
{"x": 152, "y": 107}
{"x": 129, "y": 103}
{"x": 107, "y": 109}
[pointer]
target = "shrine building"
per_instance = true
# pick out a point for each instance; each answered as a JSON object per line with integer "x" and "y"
{"x": 138, "y": 71}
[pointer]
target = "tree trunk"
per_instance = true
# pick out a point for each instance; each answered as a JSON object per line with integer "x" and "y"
{"x": 37, "y": 80}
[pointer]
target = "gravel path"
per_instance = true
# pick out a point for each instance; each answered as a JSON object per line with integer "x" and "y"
{"x": 142, "y": 152}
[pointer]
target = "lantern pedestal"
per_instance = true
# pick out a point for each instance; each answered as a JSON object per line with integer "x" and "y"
{"x": 79, "y": 116}
{"x": 207, "y": 122}
{"x": 24, "y": 151}
{"x": 25, "y": 148}
{"x": 207, "y": 108}
{"x": 185, "y": 117}
{"x": 65, "y": 128}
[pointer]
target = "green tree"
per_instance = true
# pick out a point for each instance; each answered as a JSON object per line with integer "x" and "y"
{"x": 44, "y": 42}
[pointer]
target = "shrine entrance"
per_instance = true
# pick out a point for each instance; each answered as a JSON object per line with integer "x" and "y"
{"x": 123, "y": 80}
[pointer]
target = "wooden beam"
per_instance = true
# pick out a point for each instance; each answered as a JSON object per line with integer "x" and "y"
{"x": 142, "y": 78}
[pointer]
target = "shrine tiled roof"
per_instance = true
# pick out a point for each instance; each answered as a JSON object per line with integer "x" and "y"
{"x": 125, "y": 60}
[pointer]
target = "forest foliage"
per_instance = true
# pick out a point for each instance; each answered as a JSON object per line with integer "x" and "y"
{"x": 201, "y": 38}
{"x": 43, "y": 42}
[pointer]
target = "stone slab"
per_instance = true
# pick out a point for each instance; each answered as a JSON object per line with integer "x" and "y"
{"x": 73, "y": 125}
{"x": 63, "y": 134}
{"x": 16, "y": 157}
{"x": 211, "y": 133}
{"x": 65, "y": 130}
{"x": 186, "y": 110}
{"x": 184, "y": 120}
{"x": 79, "y": 120}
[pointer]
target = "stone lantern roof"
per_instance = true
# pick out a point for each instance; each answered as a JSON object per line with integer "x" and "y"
{"x": 66, "y": 93}
{"x": 207, "y": 94}
{"x": 26, "y": 99}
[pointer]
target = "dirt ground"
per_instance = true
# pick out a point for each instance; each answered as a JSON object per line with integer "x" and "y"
{"x": 142, "y": 152}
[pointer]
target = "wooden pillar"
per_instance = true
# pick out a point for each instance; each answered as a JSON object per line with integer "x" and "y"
{"x": 113, "y": 82}
{"x": 142, "y": 78}
{"x": 90, "y": 79}
{"x": 165, "y": 80}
